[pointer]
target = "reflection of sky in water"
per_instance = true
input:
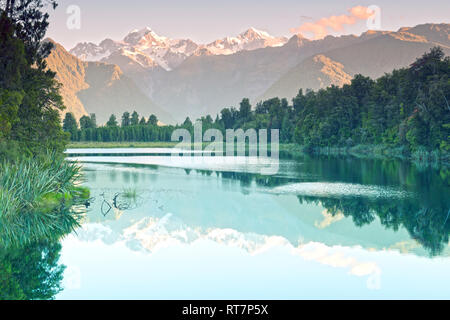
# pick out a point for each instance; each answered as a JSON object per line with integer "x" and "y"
{"x": 159, "y": 259}
{"x": 207, "y": 235}
{"x": 232, "y": 164}
{"x": 93, "y": 151}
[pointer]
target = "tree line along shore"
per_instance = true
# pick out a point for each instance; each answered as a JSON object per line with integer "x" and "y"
{"x": 404, "y": 114}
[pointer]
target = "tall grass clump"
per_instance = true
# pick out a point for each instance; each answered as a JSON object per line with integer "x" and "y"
{"x": 38, "y": 199}
{"x": 130, "y": 193}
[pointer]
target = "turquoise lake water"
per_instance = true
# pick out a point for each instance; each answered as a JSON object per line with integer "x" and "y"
{"x": 320, "y": 228}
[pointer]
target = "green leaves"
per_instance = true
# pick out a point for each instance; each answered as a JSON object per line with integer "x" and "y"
{"x": 37, "y": 199}
{"x": 406, "y": 108}
{"x": 29, "y": 94}
{"x": 30, "y": 272}
{"x": 9, "y": 102}
{"x": 70, "y": 124}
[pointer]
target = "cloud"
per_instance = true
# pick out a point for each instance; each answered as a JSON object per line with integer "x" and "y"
{"x": 328, "y": 220}
{"x": 321, "y": 27}
{"x": 336, "y": 257}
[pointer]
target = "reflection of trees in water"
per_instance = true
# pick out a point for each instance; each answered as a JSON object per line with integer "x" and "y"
{"x": 429, "y": 226}
{"x": 425, "y": 214}
{"x": 29, "y": 254}
{"x": 113, "y": 175}
{"x": 204, "y": 172}
{"x": 29, "y": 251}
{"x": 380, "y": 172}
{"x": 30, "y": 272}
{"x": 126, "y": 176}
{"x": 246, "y": 179}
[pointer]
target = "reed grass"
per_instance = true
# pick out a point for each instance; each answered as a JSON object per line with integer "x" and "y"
{"x": 130, "y": 193}
{"x": 39, "y": 199}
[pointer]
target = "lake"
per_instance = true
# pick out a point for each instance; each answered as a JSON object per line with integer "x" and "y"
{"x": 326, "y": 228}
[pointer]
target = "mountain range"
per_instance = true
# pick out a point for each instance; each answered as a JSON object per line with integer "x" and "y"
{"x": 149, "y": 50}
{"x": 178, "y": 78}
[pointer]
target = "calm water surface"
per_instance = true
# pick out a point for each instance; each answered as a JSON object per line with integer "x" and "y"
{"x": 320, "y": 228}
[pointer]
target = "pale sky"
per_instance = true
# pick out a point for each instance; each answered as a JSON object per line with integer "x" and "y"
{"x": 204, "y": 21}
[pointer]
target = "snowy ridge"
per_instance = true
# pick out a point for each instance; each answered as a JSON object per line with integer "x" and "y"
{"x": 147, "y": 49}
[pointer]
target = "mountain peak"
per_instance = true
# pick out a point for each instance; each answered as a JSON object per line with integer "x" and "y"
{"x": 254, "y": 34}
{"x": 297, "y": 40}
{"x": 438, "y": 33}
{"x": 142, "y": 31}
{"x": 143, "y": 35}
{"x": 438, "y": 27}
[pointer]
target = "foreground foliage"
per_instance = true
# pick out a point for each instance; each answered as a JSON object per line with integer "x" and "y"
{"x": 38, "y": 200}
{"x": 38, "y": 191}
{"x": 30, "y": 100}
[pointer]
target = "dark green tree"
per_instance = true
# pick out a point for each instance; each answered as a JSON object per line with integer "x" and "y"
{"x": 70, "y": 124}
{"x": 227, "y": 118}
{"x": 93, "y": 120}
{"x": 112, "y": 122}
{"x": 134, "y": 119}
{"x": 187, "y": 123}
{"x": 153, "y": 120}
{"x": 245, "y": 110}
{"x": 33, "y": 98}
{"x": 125, "y": 119}
{"x": 86, "y": 123}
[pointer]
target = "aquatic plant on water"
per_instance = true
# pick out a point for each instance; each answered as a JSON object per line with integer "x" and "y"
{"x": 130, "y": 193}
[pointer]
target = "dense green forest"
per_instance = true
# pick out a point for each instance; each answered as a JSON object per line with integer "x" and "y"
{"x": 131, "y": 128}
{"x": 407, "y": 109}
{"x": 30, "y": 102}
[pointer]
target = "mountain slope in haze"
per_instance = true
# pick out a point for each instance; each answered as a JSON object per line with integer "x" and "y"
{"x": 439, "y": 34}
{"x": 380, "y": 53}
{"x": 70, "y": 72}
{"x": 207, "y": 83}
{"x": 313, "y": 73}
{"x": 95, "y": 87}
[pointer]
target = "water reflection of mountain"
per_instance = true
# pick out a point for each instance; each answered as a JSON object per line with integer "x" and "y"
{"x": 382, "y": 218}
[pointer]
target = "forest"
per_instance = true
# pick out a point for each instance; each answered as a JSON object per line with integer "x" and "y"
{"x": 30, "y": 122}
{"x": 406, "y": 110}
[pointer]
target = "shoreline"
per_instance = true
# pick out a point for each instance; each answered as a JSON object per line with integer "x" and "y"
{"x": 374, "y": 152}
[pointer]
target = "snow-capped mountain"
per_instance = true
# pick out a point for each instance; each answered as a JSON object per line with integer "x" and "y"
{"x": 144, "y": 48}
{"x": 251, "y": 39}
